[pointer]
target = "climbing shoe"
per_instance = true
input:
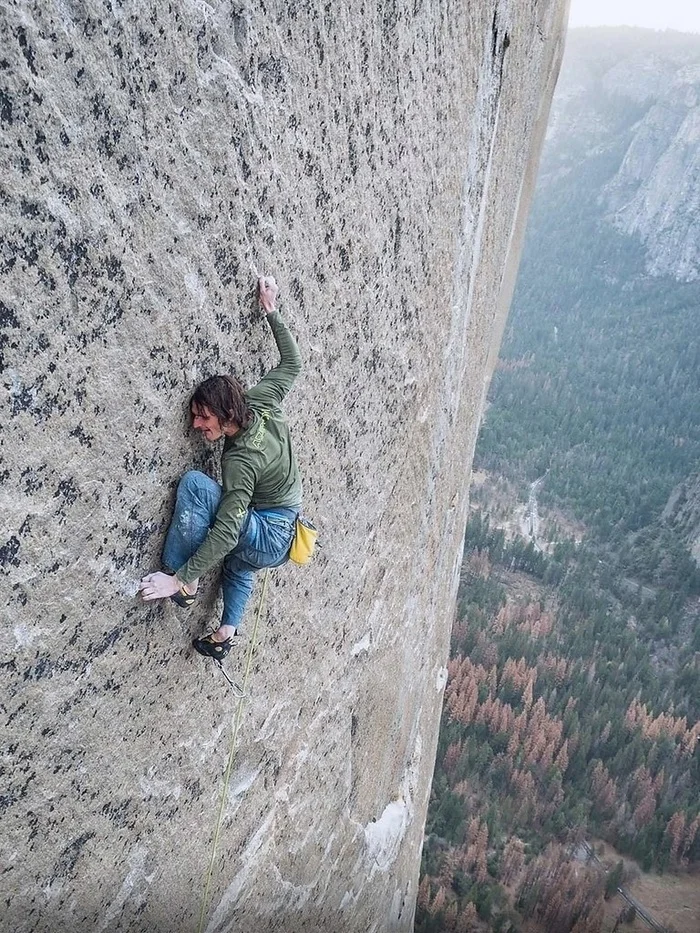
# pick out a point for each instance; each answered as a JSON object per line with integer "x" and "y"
{"x": 213, "y": 649}
{"x": 183, "y": 599}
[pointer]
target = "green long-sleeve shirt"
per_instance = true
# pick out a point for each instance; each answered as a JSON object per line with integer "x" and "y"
{"x": 258, "y": 466}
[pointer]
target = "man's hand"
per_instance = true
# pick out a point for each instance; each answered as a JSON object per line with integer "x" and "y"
{"x": 159, "y": 586}
{"x": 267, "y": 293}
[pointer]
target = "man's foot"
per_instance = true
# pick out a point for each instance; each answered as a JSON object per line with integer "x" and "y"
{"x": 183, "y": 598}
{"x": 211, "y": 647}
{"x": 186, "y": 595}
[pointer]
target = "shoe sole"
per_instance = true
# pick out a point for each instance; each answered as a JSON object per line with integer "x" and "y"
{"x": 206, "y": 649}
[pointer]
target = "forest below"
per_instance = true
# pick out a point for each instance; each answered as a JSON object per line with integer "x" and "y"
{"x": 559, "y": 724}
{"x": 572, "y": 708}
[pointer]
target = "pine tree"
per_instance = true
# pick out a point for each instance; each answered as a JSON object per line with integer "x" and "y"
{"x": 512, "y": 861}
{"x": 468, "y": 920}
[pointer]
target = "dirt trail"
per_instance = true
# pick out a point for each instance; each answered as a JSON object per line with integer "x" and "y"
{"x": 672, "y": 900}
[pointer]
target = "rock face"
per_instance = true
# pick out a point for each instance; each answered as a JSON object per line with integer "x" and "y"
{"x": 630, "y": 100}
{"x": 379, "y": 160}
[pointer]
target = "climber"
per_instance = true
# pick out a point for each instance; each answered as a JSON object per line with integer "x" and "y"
{"x": 249, "y": 521}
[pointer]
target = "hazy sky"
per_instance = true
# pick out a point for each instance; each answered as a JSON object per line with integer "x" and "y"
{"x": 683, "y": 15}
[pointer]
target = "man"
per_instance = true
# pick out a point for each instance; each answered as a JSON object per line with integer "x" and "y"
{"x": 248, "y": 522}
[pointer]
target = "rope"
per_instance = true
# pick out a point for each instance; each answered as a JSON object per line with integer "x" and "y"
{"x": 232, "y": 750}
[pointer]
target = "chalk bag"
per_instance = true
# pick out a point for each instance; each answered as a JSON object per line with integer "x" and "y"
{"x": 304, "y": 543}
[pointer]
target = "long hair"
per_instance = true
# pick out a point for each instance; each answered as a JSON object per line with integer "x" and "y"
{"x": 224, "y": 397}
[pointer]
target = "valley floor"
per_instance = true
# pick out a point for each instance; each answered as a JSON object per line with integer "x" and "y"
{"x": 672, "y": 899}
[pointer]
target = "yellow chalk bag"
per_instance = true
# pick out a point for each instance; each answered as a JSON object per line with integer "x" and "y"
{"x": 304, "y": 543}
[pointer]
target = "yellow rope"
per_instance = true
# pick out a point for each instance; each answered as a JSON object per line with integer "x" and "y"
{"x": 232, "y": 750}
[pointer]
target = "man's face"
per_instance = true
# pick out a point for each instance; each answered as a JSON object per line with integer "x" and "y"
{"x": 208, "y": 424}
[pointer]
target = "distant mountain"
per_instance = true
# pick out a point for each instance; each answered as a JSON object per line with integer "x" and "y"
{"x": 629, "y": 101}
{"x": 599, "y": 379}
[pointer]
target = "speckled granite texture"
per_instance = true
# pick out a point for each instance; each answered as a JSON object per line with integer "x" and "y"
{"x": 378, "y": 158}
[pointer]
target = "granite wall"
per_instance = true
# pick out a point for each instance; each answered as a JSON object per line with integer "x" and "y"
{"x": 377, "y": 157}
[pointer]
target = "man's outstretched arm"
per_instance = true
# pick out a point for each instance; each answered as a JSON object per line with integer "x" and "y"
{"x": 221, "y": 540}
{"x": 274, "y": 385}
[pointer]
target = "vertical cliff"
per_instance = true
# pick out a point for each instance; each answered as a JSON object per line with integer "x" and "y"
{"x": 378, "y": 158}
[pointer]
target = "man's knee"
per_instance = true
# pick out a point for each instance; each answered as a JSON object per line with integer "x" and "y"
{"x": 192, "y": 480}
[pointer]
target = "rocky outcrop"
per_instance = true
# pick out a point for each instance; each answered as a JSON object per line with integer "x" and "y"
{"x": 682, "y": 512}
{"x": 379, "y": 160}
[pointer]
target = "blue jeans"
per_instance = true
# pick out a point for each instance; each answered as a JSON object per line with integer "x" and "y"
{"x": 264, "y": 541}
